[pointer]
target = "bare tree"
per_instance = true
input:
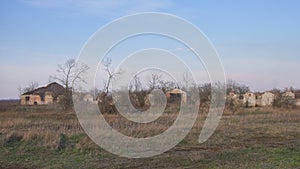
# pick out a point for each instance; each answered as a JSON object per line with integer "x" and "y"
{"x": 105, "y": 100}
{"x": 186, "y": 80}
{"x": 110, "y": 72}
{"x": 235, "y": 87}
{"x": 155, "y": 80}
{"x": 69, "y": 74}
{"x": 136, "y": 84}
{"x": 168, "y": 85}
{"x": 31, "y": 86}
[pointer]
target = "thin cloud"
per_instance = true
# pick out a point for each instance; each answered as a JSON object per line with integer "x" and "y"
{"x": 100, "y": 8}
{"x": 183, "y": 49}
{"x": 179, "y": 49}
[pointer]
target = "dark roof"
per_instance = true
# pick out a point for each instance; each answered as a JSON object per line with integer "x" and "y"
{"x": 55, "y": 88}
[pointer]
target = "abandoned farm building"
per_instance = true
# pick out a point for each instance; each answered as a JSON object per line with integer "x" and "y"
{"x": 176, "y": 94}
{"x": 43, "y": 95}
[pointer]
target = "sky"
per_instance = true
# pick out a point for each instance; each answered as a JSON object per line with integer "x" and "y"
{"x": 258, "y": 41}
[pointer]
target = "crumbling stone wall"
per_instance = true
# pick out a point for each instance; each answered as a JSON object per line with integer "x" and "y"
{"x": 31, "y": 100}
{"x": 249, "y": 99}
{"x": 48, "y": 98}
{"x": 265, "y": 99}
{"x": 35, "y": 99}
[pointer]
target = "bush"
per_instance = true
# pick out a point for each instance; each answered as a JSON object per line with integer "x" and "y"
{"x": 286, "y": 102}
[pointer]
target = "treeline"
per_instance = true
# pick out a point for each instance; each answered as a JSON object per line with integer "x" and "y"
{"x": 69, "y": 75}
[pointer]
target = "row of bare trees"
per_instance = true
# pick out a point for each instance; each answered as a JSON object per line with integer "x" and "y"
{"x": 69, "y": 75}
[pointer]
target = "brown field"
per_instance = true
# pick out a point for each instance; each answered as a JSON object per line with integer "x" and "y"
{"x": 47, "y": 137}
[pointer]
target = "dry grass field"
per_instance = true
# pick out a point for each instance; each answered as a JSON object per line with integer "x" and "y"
{"x": 41, "y": 137}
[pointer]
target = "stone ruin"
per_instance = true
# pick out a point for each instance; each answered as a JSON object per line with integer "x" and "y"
{"x": 44, "y": 95}
{"x": 265, "y": 99}
{"x": 250, "y": 99}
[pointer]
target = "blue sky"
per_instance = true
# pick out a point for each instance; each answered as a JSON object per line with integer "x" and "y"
{"x": 258, "y": 40}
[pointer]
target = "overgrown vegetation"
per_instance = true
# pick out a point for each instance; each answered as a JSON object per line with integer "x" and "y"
{"x": 250, "y": 138}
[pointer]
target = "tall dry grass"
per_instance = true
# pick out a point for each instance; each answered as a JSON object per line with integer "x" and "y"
{"x": 246, "y": 127}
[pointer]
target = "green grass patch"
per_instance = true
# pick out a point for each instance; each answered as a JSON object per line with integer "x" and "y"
{"x": 28, "y": 154}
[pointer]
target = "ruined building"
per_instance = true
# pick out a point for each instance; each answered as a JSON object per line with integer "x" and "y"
{"x": 43, "y": 95}
{"x": 265, "y": 99}
{"x": 252, "y": 99}
{"x": 176, "y": 94}
{"x": 249, "y": 99}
